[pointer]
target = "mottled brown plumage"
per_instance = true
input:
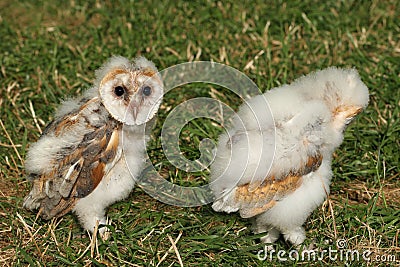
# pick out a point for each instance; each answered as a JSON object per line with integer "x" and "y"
{"x": 255, "y": 201}
{"x": 77, "y": 170}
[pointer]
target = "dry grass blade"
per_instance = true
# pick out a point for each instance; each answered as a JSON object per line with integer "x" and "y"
{"x": 93, "y": 241}
{"x": 34, "y": 116}
{"x": 30, "y": 234}
{"x": 84, "y": 252}
{"x": 333, "y": 216}
{"x": 173, "y": 247}
{"x": 11, "y": 141}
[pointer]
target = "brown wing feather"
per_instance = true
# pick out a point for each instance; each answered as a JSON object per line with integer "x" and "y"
{"x": 255, "y": 201}
{"x": 79, "y": 169}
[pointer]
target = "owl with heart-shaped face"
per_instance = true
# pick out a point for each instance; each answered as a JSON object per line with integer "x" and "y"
{"x": 80, "y": 161}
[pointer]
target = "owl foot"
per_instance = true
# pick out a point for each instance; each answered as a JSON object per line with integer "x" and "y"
{"x": 295, "y": 236}
{"x": 103, "y": 230}
{"x": 271, "y": 236}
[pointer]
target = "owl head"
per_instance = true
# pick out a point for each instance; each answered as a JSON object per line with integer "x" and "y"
{"x": 342, "y": 90}
{"x": 345, "y": 94}
{"x": 131, "y": 91}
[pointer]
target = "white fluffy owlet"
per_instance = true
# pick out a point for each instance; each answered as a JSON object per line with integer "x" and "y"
{"x": 274, "y": 165}
{"x": 80, "y": 161}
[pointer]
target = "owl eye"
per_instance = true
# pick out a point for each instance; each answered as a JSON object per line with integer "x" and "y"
{"x": 119, "y": 90}
{"x": 146, "y": 90}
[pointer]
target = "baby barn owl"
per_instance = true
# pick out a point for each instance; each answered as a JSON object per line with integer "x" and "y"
{"x": 79, "y": 162}
{"x": 275, "y": 167}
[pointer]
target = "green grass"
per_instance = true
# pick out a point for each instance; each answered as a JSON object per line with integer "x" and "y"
{"x": 49, "y": 51}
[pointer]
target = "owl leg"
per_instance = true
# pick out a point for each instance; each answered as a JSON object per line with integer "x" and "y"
{"x": 91, "y": 216}
{"x": 295, "y": 236}
{"x": 272, "y": 232}
{"x": 271, "y": 236}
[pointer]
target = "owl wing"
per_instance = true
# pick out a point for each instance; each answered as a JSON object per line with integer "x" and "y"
{"x": 299, "y": 140}
{"x": 79, "y": 167}
{"x": 252, "y": 202}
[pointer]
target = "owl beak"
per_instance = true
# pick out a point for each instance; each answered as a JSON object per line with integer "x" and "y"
{"x": 135, "y": 110}
{"x": 344, "y": 115}
{"x": 348, "y": 112}
{"x": 354, "y": 111}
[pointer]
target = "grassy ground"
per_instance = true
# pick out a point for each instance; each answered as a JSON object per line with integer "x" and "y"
{"x": 50, "y": 50}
